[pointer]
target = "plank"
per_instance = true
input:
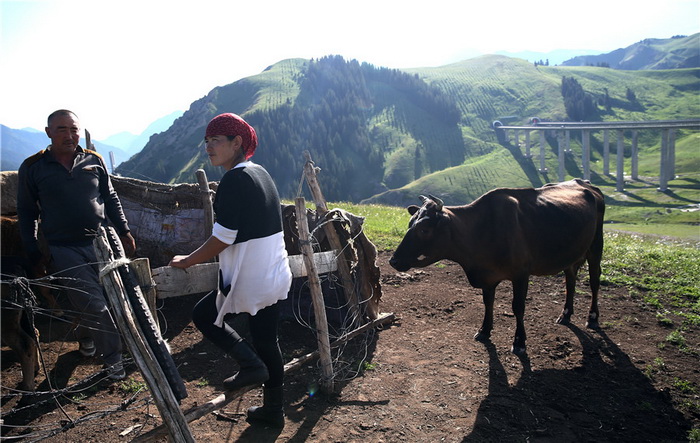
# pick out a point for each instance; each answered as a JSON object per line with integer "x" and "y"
{"x": 198, "y": 279}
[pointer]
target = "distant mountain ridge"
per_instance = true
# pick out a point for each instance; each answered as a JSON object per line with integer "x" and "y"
{"x": 653, "y": 53}
{"x": 132, "y": 143}
{"x": 18, "y": 144}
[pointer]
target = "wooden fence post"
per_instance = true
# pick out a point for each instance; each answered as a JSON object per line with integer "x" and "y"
{"x": 324, "y": 346}
{"x": 140, "y": 351}
{"x": 343, "y": 268}
{"x": 142, "y": 269}
{"x": 206, "y": 203}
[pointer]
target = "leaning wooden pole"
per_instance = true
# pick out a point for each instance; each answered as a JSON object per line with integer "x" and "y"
{"x": 324, "y": 345}
{"x": 343, "y": 267}
{"x": 143, "y": 356}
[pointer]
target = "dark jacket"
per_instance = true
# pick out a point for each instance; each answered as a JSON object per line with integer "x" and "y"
{"x": 71, "y": 204}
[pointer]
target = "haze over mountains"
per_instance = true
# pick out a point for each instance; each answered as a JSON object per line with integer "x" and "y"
{"x": 377, "y": 132}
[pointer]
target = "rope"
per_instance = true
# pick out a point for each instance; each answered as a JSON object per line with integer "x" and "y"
{"x": 113, "y": 265}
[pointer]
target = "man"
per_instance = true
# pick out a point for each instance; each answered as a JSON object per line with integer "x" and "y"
{"x": 68, "y": 188}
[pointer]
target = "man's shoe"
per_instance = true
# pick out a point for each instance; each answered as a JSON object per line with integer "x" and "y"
{"x": 87, "y": 347}
{"x": 116, "y": 371}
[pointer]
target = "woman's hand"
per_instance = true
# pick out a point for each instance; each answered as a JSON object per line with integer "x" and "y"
{"x": 180, "y": 261}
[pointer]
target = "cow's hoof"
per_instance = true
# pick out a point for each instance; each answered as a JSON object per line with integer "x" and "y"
{"x": 563, "y": 320}
{"x": 482, "y": 337}
{"x": 592, "y": 322}
{"x": 518, "y": 350}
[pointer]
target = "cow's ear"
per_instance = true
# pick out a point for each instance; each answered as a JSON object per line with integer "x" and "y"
{"x": 413, "y": 209}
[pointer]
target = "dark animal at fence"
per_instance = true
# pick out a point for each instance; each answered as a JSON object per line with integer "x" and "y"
{"x": 510, "y": 234}
{"x": 11, "y": 246}
{"x": 18, "y": 330}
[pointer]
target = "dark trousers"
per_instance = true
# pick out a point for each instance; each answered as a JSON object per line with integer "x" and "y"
{"x": 263, "y": 330}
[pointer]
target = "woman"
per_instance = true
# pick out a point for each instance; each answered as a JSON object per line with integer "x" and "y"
{"x": 253, "y": 266}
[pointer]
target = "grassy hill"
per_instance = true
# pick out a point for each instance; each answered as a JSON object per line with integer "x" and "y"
{"x": 652, "y": 53}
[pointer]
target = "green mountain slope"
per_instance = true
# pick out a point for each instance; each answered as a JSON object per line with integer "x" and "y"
{"x": 651, "y": 53}
{"x": 382, "y": 135}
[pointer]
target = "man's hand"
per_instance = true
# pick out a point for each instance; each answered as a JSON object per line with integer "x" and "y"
{"x": 129, "y": 244}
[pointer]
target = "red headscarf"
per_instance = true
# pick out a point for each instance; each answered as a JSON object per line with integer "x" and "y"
{"x": 232, "y": 124}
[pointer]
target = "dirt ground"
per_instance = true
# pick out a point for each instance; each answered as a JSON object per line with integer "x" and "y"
{"x": 425, "y": 379}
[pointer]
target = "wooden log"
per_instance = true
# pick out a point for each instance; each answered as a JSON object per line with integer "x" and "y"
{"x": 343, "y": 267}
{"x": 142, "y": 269}
{"x": 197, "y": 412}
{"x": 319, "y": 304}
{"x": 201, "y": 278}
{"x": 207, "y": 203}
{"x": 143, "y": 356}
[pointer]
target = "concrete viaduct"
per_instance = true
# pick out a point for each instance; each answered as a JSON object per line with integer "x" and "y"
{"x": 563, "y": 134}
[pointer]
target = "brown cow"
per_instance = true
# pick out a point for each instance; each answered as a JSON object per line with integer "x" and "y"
{"x": 510, "y": 234}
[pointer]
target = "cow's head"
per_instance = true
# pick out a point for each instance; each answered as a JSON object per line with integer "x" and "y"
{"x": 424, "y": 242}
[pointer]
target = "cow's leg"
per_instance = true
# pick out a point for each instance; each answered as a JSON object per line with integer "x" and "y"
{"x": 519, "y": 295}
{"x": 566, "y": 313}
{"x": 14, "y": 336}
{"x": 594, "y": 273}
{"x": 484, "y": 333}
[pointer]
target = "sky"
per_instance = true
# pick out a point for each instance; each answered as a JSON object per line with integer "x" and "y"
{"x": 121, "y": 65}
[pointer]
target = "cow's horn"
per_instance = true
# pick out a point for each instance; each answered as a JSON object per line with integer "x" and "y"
{"x": 436, "y": 200}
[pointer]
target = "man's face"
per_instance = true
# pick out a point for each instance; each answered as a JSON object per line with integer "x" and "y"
{"x": 64, "y": 132}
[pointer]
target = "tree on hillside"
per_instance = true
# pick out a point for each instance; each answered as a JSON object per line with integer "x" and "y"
{"x": 579, "y": 105}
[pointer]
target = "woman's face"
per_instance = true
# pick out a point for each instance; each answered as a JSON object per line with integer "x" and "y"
{"x": 222, "y": 151}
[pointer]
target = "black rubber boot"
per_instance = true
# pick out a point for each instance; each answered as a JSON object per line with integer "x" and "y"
{"x": 252, "y": 370}
{"x": 271, "y": 413}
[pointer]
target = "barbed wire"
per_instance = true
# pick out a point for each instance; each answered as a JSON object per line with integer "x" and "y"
{"x": 25, "y": 401}
{"x": 348, "y": 358}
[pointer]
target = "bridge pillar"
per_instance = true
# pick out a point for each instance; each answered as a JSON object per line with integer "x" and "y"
{"x": 516, "y": 137}
{"x": 567, "y": 145}
{"x": 606, "y": 152}
{"x": 620, "y": 161}
{"x": 663, "y": 168}
{"x": 542, "y": 169}
{"x": 527, "y": 145}
{"x": 671, "y": 154}
{"x": 562, "y": 155}
{"x": 586, "y": 156}
{"x": 635, "y": 155}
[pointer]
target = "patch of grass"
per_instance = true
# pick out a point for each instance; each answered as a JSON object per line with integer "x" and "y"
{"x": 131, "y": 386}
{"x": 384, "y": 225}
{"x": 202, "y": 382}
{"x": 663, "y": 320}
{"x": 653, "y": 368}
{"x": 369, "y": 366}
{"x": 77, "y": 398}
{"x": 694, "y": 435}
{"x": 676, "y": 338}
{"x": 684, "y": 386}
{"x": 665, "y": 270}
